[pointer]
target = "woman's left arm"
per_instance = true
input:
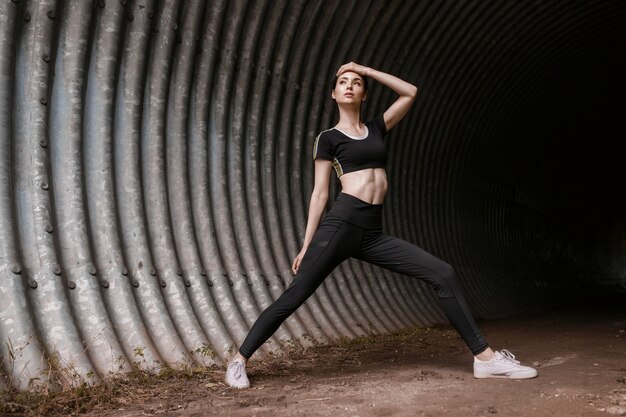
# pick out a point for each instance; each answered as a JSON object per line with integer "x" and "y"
{"x": 405, "y": 90}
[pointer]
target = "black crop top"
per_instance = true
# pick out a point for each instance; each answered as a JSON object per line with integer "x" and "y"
{"x": 349, "y": 153}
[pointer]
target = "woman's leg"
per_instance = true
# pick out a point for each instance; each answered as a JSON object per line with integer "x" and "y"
{"x": 405, "y": 258}
{"x": 334, "y": 241}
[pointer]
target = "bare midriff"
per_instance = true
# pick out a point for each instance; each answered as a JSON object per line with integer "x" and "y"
{"x": 369, "y": 185}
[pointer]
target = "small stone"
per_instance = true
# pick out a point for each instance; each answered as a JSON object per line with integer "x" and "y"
{"x": 616, "y": 411}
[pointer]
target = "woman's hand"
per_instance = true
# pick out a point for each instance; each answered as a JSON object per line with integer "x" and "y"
{"x": 297, "y": 261}
{"x": 354, "y": 67}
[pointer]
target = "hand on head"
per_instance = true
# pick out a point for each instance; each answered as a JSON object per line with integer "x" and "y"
{"x": 352, "y": 66}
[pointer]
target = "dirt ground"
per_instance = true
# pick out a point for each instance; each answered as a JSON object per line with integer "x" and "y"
{"x": 580, "y": 356}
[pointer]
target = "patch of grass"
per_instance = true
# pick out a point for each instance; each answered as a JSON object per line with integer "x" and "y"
{"x": 207, "y": 351}
{"x": 133, "y": 388}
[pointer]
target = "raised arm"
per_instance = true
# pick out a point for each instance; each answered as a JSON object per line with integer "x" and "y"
{"x": 319, "y": 198}
{"x": 406, "y": 91}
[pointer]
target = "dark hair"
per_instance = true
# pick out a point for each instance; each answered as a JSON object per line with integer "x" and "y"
{"x": 336, "y": 78}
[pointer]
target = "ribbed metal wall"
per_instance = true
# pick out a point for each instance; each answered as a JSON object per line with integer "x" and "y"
{"x": 155, "y": 168}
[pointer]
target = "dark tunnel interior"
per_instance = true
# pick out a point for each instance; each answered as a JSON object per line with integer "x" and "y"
{"x": 564, "y": 149}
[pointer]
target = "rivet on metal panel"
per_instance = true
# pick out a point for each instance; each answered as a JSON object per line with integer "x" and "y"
{"x": 124, "y": 271}
{"x": 249, "y": 282}
{"x": 153, "y": 272}
{"x": 104, "y": 283}
{"x": 187, "y": 283}
{"x": 150, "y": 15}
{"x": 101, "y": 4}
{"x": 49, "y": 228}
{"x": 71, "y": 285}
{"x": 43, "y": 143}
{"x": 267, "y": 283}
{"x": 56, "y": 269}
{"x": 32, "y": 283}
{"x": 179, "y": 272}
{"x": 203, "y": 273}
{"x": 131, "y": 17}
{"x": 210, "y": 283}
{"x": 155, "y": 29}
{"x": 224, "y": 274}
{"x": 16, "y": 268}
{"x": 44, "y": 185}
{"x": 92, "y": 269}
{"x": 231, "y": 283}
{"x": 43, "y": 100}
{"x": 162, "y": 283}
{"x": 174, "y": 26}
{"x": 135, "y": 283}
{"x": 46, "y": 58}
{"x": 50, "y": 14}
{"x": 26, "y": 16}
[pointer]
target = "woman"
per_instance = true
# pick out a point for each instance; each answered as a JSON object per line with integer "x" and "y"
{"x": 353, "y": 227}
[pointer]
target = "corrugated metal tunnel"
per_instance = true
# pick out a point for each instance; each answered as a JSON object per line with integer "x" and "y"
{"x": 155, "y": 168}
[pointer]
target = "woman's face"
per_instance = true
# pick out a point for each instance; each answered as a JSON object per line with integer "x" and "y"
{"x": 349, "y": 89}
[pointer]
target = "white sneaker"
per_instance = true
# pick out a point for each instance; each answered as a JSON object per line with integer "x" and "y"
{"x": 502, "y": 365}
{"x": 236, "y": 375}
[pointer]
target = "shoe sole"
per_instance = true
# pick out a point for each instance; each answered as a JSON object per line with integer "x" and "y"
{"x": 238, "y": 387}
{"x": 520, "y": 375}
{"x": 235, "y": 386}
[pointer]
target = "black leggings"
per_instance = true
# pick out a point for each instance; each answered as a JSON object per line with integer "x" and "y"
{"x": 353, "y": 228}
